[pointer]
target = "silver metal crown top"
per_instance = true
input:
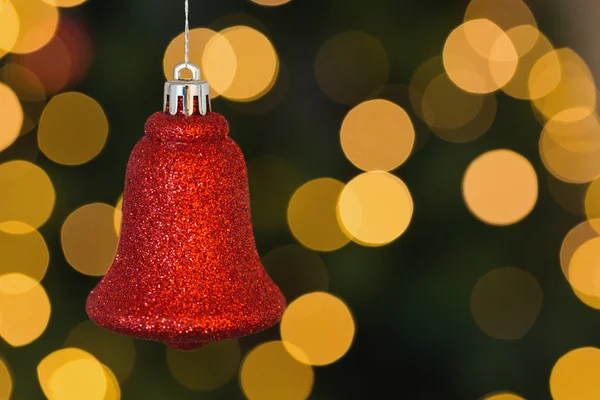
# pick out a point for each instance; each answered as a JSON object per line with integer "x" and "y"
{"x": 188, "y": 89}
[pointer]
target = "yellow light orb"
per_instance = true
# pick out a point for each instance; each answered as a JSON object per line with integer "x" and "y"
{"x": 296, "y": 270}
{"x": 584, "y": 268}
{"x": 38, "y": 23}
{"x": 269, "y": 372}
{"x": 479, "y": 57}
{"x": 25, "y": 253}
{"x": 207, "y": 368}
{"x": 73, "y": 129}
{"x": 11, "y": 116}
{"x": 65, "y": 3}
{"x": 575, "y": 375}
{"x": 421, "y": 79}
{"x": 320, "y": 326}
{"x": 500, "y": 187}
{"x": 89, "y": 240}
{"x": 503, "y": 396}
{"x": 506, "y": 302}
{"x": 506, "y": 14}
{"x": 9, "y": 27}
{"x": 52, "y": 362}
{"x": 79, "y": 379}
{"x": 115, "y": 351}
{"x": 592, "y": 204}
{"x": 576, "y": 237}
{"x": 254, "y": 58}
{"x": 118, "y": 215}
{"x": 312, "y": 215}
{"x": 5, "y": 381}
{"x": 271, "y": 3}
{"x": 30, "y": 91}
{"x": 24, "y": 307}
{"x": 375, "y": 208}
{"x": 350, "y": 65}
{"x": 377, "y": 135}
{"x": 545, "y": 75}
{"x": 113, "y": 390}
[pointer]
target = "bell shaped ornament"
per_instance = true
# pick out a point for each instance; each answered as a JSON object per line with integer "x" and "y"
{"x": 186, "y": 271}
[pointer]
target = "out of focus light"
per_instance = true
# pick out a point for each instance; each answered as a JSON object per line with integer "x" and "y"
{"x": 320, "y": 326}
{"x": 573, "y": 240}
{"x": 199, "y": 37}
{"x": 575, "y": 375}
{"x": 113, "y": 390}
{"x": 73, "y": 129}
{"x": 569, "y": 196}
{"x": 576, "y": 88}
{"x": 296, "y": 270}
{"x": 375, "y": 208}
{"x": 350, "y": 65}
{"x": 532, "y": 45}
{"x": 207, "y": 368}
{"x": 65, "y": 3}
{"x": 89, "y": 240}
{"x": 583, "y": 268}
{"x": 27, "y": 195}
{"x": 271, "y": 3}
{"x": 506, "y": 14}
{"x": 420, "y": 81}
{"x": 255, "y": 63}
{"x": 479, "y": 57}
{"x": 25, "y": 253}
{"x": 9, "y": 27}
{"x": 116, "y": 351}
{"x": 312, "y": 215}
{"x": 503, "y": 396}
{"x": 79, "y": 379}
{"x": 592, "y": 204}
{"x": 500, "y": 187}
{"x": 38, "y": 23}
{"x": 118, "y": 215}
{"x": 51, "y": 363}
{"x": 506, "y": 302}
{"x": 5, "y": 381}
{"x": 545, "y": 75}
{"x": 30, "y": 92}
{"x": 270, "y": 372}
{"x": 11, "y": 116}
{"x": 377, "y": 135}
{"x": 24, "y": 307}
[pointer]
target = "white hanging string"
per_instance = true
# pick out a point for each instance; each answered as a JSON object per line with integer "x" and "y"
{"x": 187, "y": 33}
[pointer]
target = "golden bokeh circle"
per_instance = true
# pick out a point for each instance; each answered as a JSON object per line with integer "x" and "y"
{"x": 65, "y": 3}
{"x": 312, "y": 216}
{"x": 118, "y": 215}
{"x": 500, "y": 187}
{"x": 319, "y": 327}
{"x": 574, "y": 239}
{"x": 503, "y": 396}
{"x": 113, "y": 389}
{"x": 79, "y": 379}
{"x": 271, "y": 3}
{"x": 575, "y": 375}
{"x": 89, "y": 240}
{"x": 24, "y": 307}
{"x": 583, "y": 268}
{"x": 25, "y": 253}
{"x": 506, "y": 14}
{"x": 52, "y": 362}
{"x": 117, "y": 352}
{"x": 255, "y": 63}
{"x": 269, "y": 372}
{"x": 5, "y": 381}
{"x": 207, "y": 368}
{"x": 27, "y": 196}
{"x": 592, "y": 204}
{"x": 479, "y": 57}
{"x": 375, "y": 208}
{"x": 506, "y": 302}
{"x": 73, "y": 129}
{"x": 377, "y": 135}
{"x": 10, "y": 26}
{"x": 545, "y": 75}
{"x": 30, "y": 91}
{"x": 38, "y": 23}
{"x": 350, "y": 65}
{"x": 11, "y": 116}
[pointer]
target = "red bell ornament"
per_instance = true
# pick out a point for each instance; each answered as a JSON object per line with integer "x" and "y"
{"x": 186, "y": 271}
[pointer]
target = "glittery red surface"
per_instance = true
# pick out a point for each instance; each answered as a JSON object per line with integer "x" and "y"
{"x": 186, "y": 271}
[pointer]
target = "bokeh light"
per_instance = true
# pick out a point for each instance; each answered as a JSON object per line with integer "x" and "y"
{"x": 296, "y": 270}
{"x": 545, "y": 75}
{"x": 52, "y": 362}
{"x": 25, "y": 253}
{"x": 575, "y": 375}
{"x": 479, "y": 57}
{"x": 9, "y": 27}
{"x": 375, "y": 208}
{"x": 89, "y": 240}
{"x": 27, "y": 196}
{"x": 24, "y": 307}
{"x": 500, "y": 187}
{"x": 319, "y": 327}
{"x": 30, "y": 92}
{"x": 269, "y": 372}
{"x": 5, "y": 381}
{"x": 312, "y": 215}
{"x": 506, "y": 302}
{"x": 73, "y": 129}
{"x": 65, "y": 3}
{"x": 271, "y": 3}
{"x": 118, "y": 215}
{"x": 115, "y": 351}
{"x": 377, "y": 135}
{"x": 79, "y": 379}
{"x": 11, "y": 115}
{"x": 38, "y": 23}
{"x": 207, "y": 368}
{"x": 506, "y": 14}
{"x": 113, "y": 390}
{"x": 350, "y": 65}
{"x": 583, "y": 269}
{"x": 420, "y": 81}
{"x": 592, "y": 204}
{"x": 255, "y": 63}
{"x": 573, "y": 240}
{"x": 503, "y": 396}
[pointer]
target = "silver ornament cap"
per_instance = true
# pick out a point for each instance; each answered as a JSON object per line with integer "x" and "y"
{"x": 188, "y": 89}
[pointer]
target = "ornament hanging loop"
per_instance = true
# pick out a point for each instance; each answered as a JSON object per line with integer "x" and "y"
{"x": 194, "y": 93}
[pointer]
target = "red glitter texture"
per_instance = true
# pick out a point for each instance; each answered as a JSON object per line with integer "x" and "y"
{"x": 186, "y": 270}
